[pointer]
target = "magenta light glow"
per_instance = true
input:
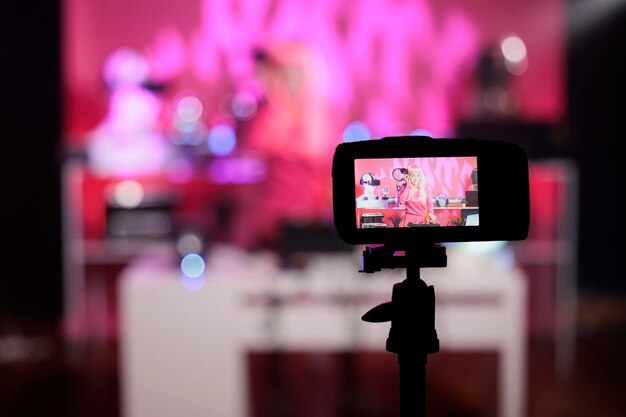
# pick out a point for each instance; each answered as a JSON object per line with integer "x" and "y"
{"x": 237, "y": 171}
{"x": 385, "y": 62}
{"x": 417, "y": 60}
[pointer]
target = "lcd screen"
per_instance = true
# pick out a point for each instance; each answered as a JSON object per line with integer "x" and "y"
{"x": 416, "y": 192}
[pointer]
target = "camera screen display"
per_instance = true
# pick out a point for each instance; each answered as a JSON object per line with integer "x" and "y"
{"x": 416, "y": 192}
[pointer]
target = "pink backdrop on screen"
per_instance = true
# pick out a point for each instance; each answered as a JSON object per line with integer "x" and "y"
{"x": 450, "y": 176}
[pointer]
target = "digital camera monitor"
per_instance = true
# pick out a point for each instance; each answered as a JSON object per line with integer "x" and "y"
{"x": 415, "y": 190}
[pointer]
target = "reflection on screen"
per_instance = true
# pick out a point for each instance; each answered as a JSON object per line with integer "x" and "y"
{"x": 416, "y": 192}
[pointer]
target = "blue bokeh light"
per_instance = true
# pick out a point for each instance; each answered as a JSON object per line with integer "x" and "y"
{"x": 192, "y": 265}
{"x": 421, "y": 132}
{"x": 356, "y": 131}
{"x": 222, "y": 140}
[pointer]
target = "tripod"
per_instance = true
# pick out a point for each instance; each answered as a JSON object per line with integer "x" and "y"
{"x": 411, "y": 312}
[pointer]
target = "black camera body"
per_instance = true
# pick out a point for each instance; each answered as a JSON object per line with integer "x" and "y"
{"x": 420, "y": 168}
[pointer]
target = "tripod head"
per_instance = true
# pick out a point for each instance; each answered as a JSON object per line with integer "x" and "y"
{"x": 375, "y": 258}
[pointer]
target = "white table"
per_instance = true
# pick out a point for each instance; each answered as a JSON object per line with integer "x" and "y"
{"x": 183, "y": 350}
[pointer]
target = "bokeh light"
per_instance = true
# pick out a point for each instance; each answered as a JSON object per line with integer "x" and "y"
{"x": 516, "y": 68}
{"x": 513, "y": 49}
{"x": 192, "y": 265}
{"x": 188, "y": 132}
{"x": 222, "y": 140}
{"x": 189, "y": 109}
{"x": 184, "y": 126}
{"x": 421, "y": 132}
{"x": 128, "y": 194}
{"x": 356, "y": 131}
{"x": 244, "y": 105}
{"x": 126, "y": 66}
{"x": 189, "y": 243}
{"x": 515, "y": 55}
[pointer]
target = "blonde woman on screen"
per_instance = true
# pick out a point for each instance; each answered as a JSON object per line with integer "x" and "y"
{"x": 416, "y": 195}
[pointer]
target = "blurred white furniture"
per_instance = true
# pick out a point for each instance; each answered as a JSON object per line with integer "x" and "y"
{"x": 184, "y": 340}
{"x": 549, "y": 255}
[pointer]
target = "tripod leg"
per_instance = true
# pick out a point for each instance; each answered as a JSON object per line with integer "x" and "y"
{"x": 413, "y": 337}
{"x": 412, "y": 370}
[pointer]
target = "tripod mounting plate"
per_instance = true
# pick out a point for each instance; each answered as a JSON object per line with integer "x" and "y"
{"x": 375, "y": 258}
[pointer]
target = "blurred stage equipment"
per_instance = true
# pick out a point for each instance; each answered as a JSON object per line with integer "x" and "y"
{"x": 136, "y": 217}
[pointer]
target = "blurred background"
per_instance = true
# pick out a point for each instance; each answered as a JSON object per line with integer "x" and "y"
{"x": 166, "y": 220}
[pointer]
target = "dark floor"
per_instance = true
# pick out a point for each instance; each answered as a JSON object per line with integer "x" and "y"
{"x": 37, "y": 378}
